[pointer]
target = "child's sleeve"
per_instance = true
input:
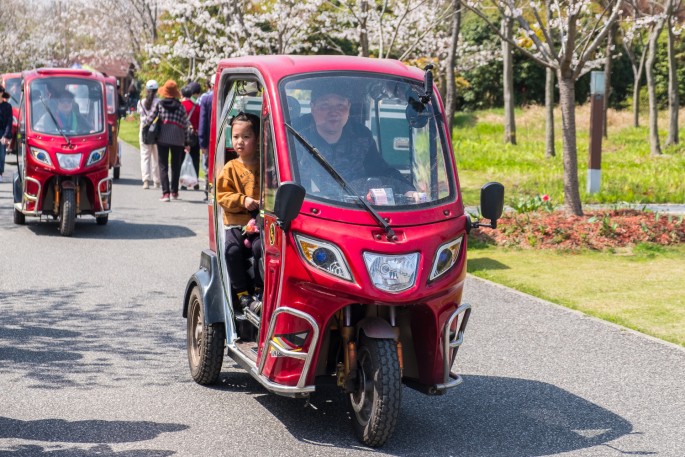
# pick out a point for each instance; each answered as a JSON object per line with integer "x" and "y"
{"x": 227, "y": 194}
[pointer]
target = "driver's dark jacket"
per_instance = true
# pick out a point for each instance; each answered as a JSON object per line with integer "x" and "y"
{"x": 355, "y": 156}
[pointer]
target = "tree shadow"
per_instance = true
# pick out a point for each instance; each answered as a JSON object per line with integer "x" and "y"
{"x": 87, "y": 431}
{"x": 487, "y": 416}
{"x": 101, "y": 450}
{"x": 57, "y": 342}
{"x": 114, "y": 230}
{"x": 464, "y": 120}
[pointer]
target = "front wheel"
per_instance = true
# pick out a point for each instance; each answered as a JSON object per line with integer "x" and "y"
{"x": 375, "y": 403}
{"x": 102, "y": 220}
{"x": 116, "y": 172}
{"x": 205, "y": 343}
{"x": 67, "y": 214}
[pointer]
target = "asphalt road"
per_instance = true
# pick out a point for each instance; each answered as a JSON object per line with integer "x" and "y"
{"x": 93, "y": 361}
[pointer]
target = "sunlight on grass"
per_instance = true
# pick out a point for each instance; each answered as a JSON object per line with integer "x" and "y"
{"x": 629, "y": 173}
{"x": 129, "y": 131}
{"x": 637, "y": 289}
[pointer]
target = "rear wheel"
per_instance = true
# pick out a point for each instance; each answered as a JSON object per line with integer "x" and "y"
{"x": 67, "y": 214}
{"x": 375, "y": 403}
{"x": 205, "y": 343}
{"x": 19, "y": 217}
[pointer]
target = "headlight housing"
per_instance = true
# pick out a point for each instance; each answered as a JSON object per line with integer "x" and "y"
{"x": 69, "y": 161}
{"x": 96, "y": 156}
{"x": 392, "y": 273}
{"x": 41, "y": 156}
{"x": 324, "y": 256}
{"x": 445, "y": 258}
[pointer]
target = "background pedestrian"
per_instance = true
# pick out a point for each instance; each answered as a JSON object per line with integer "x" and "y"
{"x": 149, "y": 159}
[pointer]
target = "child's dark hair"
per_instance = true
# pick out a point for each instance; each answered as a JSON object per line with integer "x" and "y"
{"x": 247, "y": 117}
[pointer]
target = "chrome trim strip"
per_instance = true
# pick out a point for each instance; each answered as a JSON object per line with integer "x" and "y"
{"x": 454, "y": 381}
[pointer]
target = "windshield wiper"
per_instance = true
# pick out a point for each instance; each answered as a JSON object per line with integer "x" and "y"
{"x": 390, "y": 233}
{"x": 52, "y": 116}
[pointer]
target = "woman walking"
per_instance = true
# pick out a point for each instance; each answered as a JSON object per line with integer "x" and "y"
{"x": 149, "y": 160}
{"x": 173, "y": 138}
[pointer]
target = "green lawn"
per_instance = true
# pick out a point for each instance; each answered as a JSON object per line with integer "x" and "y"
{"x": 129, "y": 130}
{"x": 637, "y": 288}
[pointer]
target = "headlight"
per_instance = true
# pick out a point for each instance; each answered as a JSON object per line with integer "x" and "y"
{"x": 392, "y": 273}
{"x": 96, "y": 156}
{"x": 41, "y": 156}
{"x": 69, "y": 161}
{"x": 445, "y": 258}
{"x": 324, "y": 256}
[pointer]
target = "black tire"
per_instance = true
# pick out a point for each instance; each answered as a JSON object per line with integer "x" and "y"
{"x": 115, "y": 172}
{"x": 19, "y": 217}
{"x": 205, "y": 343}
{"x": 102, "y": 220}
{"x": 67, "y": 214}
{"x": 375, "y": 404}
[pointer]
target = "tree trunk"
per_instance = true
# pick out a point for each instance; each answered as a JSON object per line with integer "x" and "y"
{"x": 567, "y": 103}
{"x": 451, "y": 86}
{"x": 607, "y": 75}
{"x": 363, "y": 32}
{"x": 508, "y": 75}
{"x": 549, "y": 109}
{"x": 655, "y": 146}
{"x": 636, "y": 99}
{"x": 673, "y": 98}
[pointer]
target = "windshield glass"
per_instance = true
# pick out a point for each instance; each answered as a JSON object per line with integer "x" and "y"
{"x": 375, "y": 133}
{"x": 69, "y": 106}
{"x": 13, "y": 87}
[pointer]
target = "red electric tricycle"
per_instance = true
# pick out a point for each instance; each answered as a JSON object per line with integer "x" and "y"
{"x": 62, "y": 145}
{"x": 363, "y": 266}
{"x": 12, "y": 84}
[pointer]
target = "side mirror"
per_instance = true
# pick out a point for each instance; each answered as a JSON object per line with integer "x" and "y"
{"x": 491, "y": 205}
{"x": 492, "y": 201}
{"x": 289, "y": 199}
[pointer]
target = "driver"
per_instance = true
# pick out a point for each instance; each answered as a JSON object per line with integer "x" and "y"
{"x": 348, "y": 146}
{"x": 69, "y": 119}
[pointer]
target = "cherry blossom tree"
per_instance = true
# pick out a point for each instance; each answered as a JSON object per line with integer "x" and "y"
{"x": 581, "y": 26}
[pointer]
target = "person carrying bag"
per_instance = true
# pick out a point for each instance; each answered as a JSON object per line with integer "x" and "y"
{"x": 173, "y": 138}
{"x": 194, "y": 118}
{"x": 149, "y": 160}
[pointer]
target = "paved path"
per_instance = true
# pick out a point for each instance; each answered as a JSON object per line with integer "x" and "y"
{"x": 93, "y": 361}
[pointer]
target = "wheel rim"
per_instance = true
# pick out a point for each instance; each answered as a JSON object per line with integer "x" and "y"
{"x": 195, "y": 331}
{"x": 362, "y": 398}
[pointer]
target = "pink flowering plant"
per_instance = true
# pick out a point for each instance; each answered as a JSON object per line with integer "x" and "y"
{"x": 531, "y": 204}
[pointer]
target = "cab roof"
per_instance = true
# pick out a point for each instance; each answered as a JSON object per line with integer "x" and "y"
{"x": 275, "y": 67}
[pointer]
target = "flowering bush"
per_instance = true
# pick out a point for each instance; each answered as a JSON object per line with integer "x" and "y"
{"x": 597, "y": 230}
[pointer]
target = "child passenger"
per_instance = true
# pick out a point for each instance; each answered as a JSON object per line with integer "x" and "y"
{"x": 238, "y": 194}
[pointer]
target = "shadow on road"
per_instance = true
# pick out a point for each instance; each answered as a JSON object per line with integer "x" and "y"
{"x": 58, "y": 344}
{"x": 487, "y": 416}
{"x": 114, "y": 230}
{"x": 88, "y": 431}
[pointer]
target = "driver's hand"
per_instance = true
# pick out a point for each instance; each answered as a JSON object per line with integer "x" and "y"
{"x": 251, "y": 204}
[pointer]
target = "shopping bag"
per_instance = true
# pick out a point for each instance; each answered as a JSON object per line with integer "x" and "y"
{"x": 188, "y": 175}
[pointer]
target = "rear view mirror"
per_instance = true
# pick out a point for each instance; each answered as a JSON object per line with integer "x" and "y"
{"x": 491, "y": 205}
{"x": 289, "y": 199}
{"x": 492, "y": 201}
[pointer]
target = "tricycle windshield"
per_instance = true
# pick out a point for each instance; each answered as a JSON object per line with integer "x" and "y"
{"x": 13, "y": 87}
{"x": 365, "y": 135}
{"x": 66, "y": 106}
